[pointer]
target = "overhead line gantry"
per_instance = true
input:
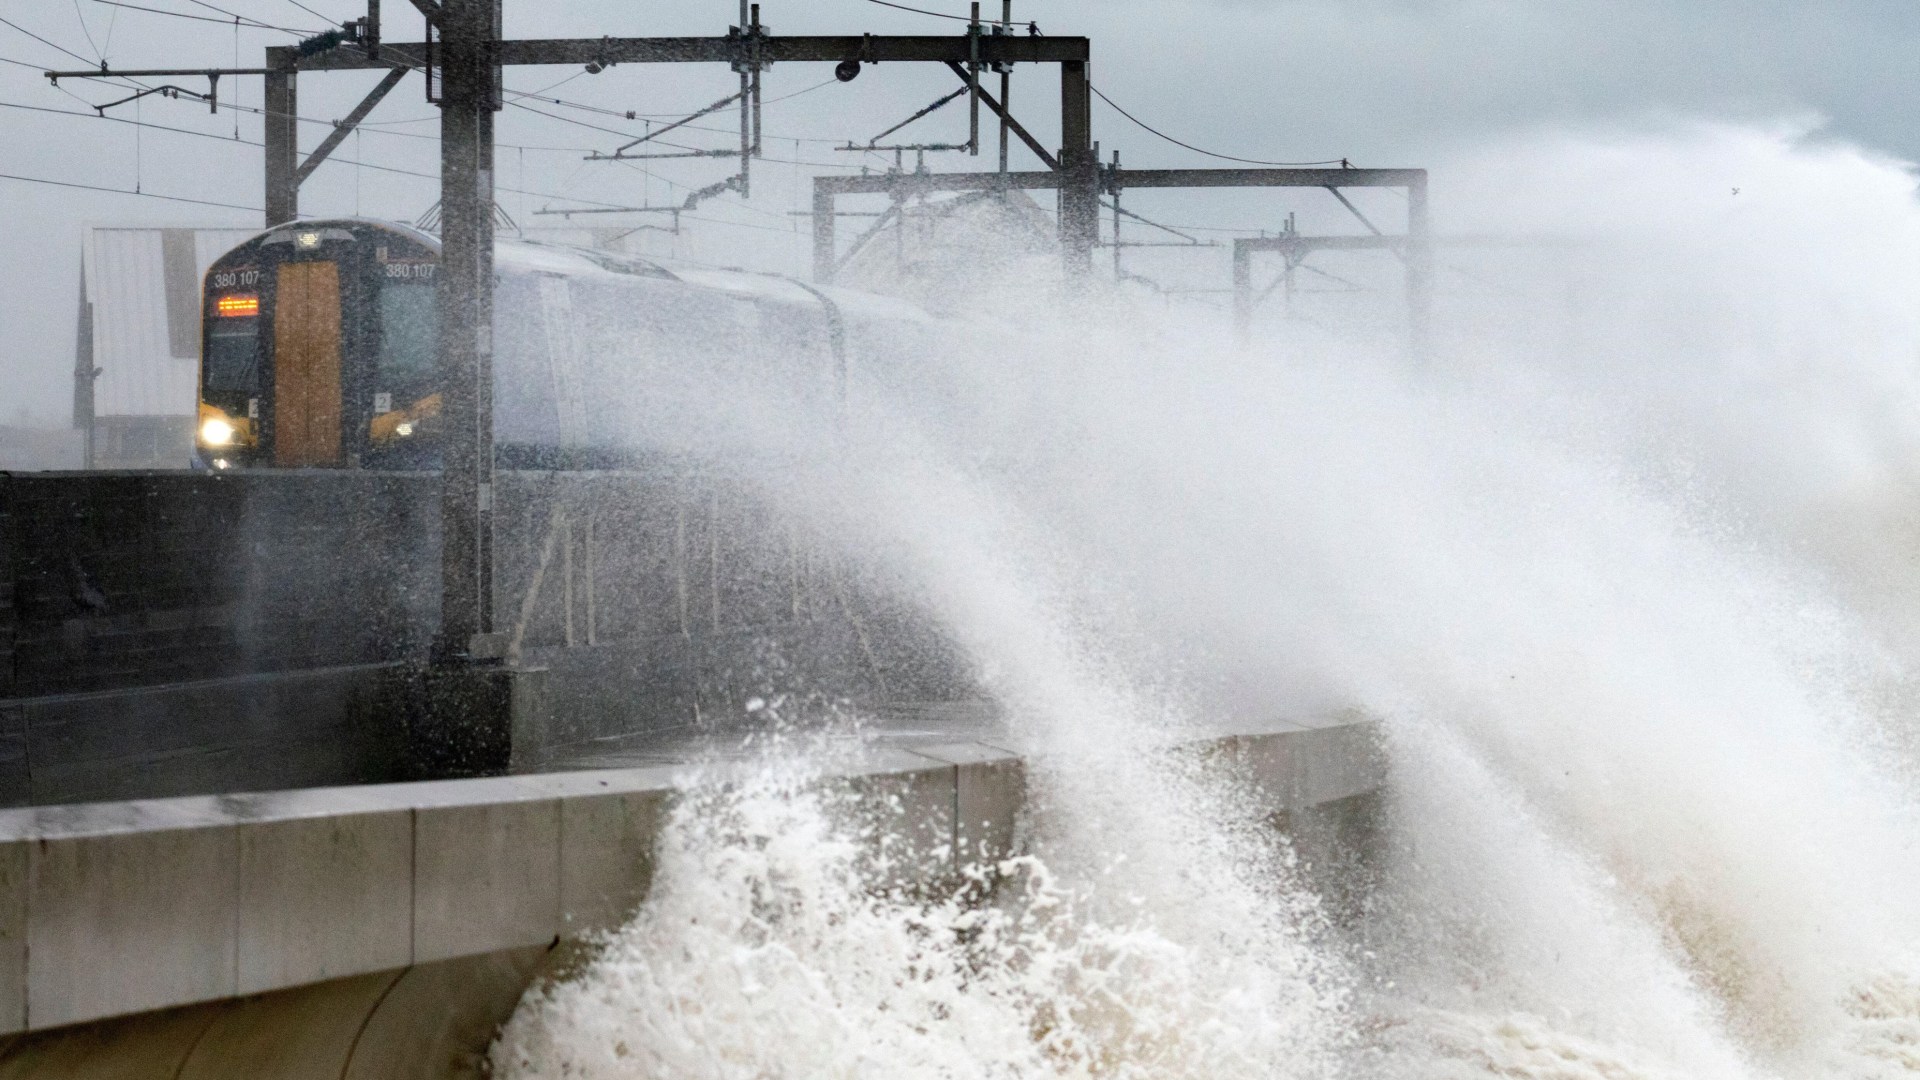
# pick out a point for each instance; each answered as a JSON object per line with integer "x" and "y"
{"x": 463, "y": 59}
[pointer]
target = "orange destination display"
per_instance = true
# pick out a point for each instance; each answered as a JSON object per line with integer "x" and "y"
{"x": 237, "y": 305}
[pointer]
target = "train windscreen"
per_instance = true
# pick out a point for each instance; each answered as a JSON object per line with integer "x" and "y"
{"x": 233, "y": 362}
{"x": 409, "y": 329}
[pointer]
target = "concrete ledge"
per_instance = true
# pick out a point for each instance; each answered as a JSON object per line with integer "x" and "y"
{"x": 115, "y": 909}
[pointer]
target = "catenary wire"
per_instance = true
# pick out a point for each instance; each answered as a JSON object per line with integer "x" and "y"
{"x": 622, "y": 114}
{"x": 199, "y": 18}
{"x": 555, "y": 101}
{"x": 113, "y": 20}
{"x": 414, "y": 135}
{"x": 536, "y": 95}
{"x": 395, "y": 170}
{"x": 920, "y": 11}
{"x": 662, "y": 142}
{"x": 1223, "y": 157}
{"x": 124, "y": 191}
{"x": 237, "y": 19}
{"x": 264, "y": 26}
{"x": 267, "y": 26}
{"x": 263, "y": 112}
{"x": 88, "y": 33}
{"x": 310, "y": 11}
{"x": 44, "y": 41}
{"x": 411, "y": 173}
{"x": 619, "y": 114}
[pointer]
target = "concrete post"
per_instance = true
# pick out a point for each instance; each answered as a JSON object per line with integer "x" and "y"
{"x": 84, "y": 374}
{"x": 1242, "y": 290}
{"x": 824, "y": 255}
{"x": 466, "y": 331}
{"x": 282, "y": 197}
{"x": 1080, "y": 173}
{"x": 1419, "y": 271}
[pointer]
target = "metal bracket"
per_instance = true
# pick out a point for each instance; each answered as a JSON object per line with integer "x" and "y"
{"x": 1000, "y": 111}
{"x": 620, "y": 152}
{"x": 732, "y": 183}
{"x": 873, "y": 143}
{"x": 343, "y": 128}
{"x": 169, "y": 91}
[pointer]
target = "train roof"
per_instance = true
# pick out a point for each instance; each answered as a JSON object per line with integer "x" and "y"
{"x": 538, "y": 256}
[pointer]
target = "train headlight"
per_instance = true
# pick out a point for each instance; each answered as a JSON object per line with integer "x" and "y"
{"x": 403, "y": 429}
{"x": 216, "y": 432}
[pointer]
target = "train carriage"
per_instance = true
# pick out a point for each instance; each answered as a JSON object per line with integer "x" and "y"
{"x": 320, "y": 341}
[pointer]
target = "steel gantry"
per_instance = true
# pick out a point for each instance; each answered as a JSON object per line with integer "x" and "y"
{"x": 1415, "y": 245}
{"x": 463, "y": 59}
{"x": 470, "y": 55}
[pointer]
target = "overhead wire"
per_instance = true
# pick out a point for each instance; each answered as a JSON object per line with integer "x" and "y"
{"x": 202, "y": 18}
{"x": 1209, "y": 153}
{"x": 662, "y": 142}
{"x": 395, "y": 170}
{"x": 122, "y": 82}
{"x": 237, "y": 20}
{"x": 1124, "y": 212}
{"x": 1352, "y": 286}
{"x": 112, "y": 21}
{"x": 626, "y": 114}
{"x": 562, "y": 82}
{"x": 537, "y": 94}
{"x": 44, "y": 41}
{"x": 557, "y": 101}
{"x": 920, "y": 11}
{"x": 256, "y": 22}
{"x": 88, "y": 33}
{"x": 552, "y": 149}
{"x": 124, "y": 191}
{"x": 237, "y": 108}
{"x": 310, "y": 11}
{"x": 797, "y": 93}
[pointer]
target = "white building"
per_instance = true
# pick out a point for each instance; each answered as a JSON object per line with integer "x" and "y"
{"x": 137, "y": 366}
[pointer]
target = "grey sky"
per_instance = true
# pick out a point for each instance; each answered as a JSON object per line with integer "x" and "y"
{"x": 1384, "y": 82}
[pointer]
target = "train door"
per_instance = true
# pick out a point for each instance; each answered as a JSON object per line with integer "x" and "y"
{"x": 306, "y": 365}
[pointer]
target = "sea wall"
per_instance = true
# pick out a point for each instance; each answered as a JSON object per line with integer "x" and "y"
{"x": 386, "y": 930}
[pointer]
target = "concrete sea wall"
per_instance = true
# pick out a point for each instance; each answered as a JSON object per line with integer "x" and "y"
{"x": 386, "y": 930}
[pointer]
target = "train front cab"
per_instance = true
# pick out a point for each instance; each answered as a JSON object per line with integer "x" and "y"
{"x": 318, "y": 350}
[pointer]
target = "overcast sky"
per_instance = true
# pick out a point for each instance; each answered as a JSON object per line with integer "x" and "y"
{"x": 1383, "y": 82}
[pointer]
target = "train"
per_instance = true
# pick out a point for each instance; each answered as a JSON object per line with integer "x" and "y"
{"x": 319, "y": 351}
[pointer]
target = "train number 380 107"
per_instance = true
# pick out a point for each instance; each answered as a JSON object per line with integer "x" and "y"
{"x": 227, "y": 279}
